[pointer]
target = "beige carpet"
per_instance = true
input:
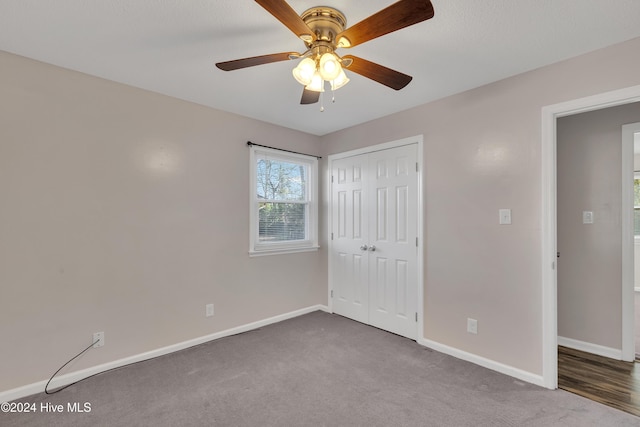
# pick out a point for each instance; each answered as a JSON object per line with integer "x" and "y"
{"x": 314, "y": 370}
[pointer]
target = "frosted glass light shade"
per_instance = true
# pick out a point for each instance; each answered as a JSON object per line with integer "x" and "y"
{"x": 317, "y": 83}
{"x": 339, "y": 81}
{"x": 305, "y": 70}
{"x": 329, "y": 66}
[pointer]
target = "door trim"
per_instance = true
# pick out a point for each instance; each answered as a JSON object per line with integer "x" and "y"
{"x": 549, "y": 218}
{"x": 418, "y": 140}
{"x": 628, "y": 244}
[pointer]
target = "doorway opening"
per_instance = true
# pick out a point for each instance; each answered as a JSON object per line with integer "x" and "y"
{"x": 549, "y": 230}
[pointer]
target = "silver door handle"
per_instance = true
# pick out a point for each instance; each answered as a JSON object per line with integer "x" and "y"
{"x": 364, "y": 247}
{"x": 372, "y": 248}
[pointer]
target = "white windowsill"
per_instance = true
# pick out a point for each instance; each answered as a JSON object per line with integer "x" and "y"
{"x": 283, "y": 251}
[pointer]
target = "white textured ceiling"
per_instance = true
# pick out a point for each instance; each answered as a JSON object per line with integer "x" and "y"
{"x": 171, "y": 46}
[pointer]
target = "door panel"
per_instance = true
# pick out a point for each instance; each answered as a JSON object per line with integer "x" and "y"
{"x": 394, "y": 238}
{"x": 350, "y": 272}
{"x": 381, "y": 214}
{"x": 402, "y": 219}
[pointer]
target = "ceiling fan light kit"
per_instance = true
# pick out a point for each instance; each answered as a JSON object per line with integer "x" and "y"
{"x": 323, "y": 30}
{"x": 316, "y": 84}
{"x": 339, "y": 81}
{"x": 329, "y": 66}
{"x": 312, "y": 73}
{"x": 304, "y": 72}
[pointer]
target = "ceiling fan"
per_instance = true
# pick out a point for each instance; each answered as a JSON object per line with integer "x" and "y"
{"x": 323, "y": 30}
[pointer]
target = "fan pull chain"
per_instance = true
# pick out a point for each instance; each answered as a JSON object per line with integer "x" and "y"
{"x": 333, "y": 95}
{"x": 321, "y": 103}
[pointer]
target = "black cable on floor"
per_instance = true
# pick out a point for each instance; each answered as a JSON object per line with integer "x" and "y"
{"x": 123, "y": 366}
{"x": 56, "y": 373}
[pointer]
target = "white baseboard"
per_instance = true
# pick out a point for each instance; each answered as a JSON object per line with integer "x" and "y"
{"x": 27, "y": 390}
{"x": 600, "y": 350}
{"x": 484, "y": 362}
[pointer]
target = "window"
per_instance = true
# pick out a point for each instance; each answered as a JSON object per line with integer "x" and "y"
{"x": 284, "y": 208}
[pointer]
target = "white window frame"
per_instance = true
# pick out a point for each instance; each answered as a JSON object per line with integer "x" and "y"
{"x": 257, "y": 248}
{"x": 636, "y": 175}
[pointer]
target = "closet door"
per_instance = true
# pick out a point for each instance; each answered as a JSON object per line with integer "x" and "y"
{"x": 392, "y": 214}
{"x": 374, "y": 249}
{"x": 350, "y": 235}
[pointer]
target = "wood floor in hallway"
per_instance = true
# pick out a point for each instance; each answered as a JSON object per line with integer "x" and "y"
{"x": 608, "y": 381}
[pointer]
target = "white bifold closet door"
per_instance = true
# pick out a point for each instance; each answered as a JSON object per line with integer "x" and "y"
{"x": 374, "y": 247}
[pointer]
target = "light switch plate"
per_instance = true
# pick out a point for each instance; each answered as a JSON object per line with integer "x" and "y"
{"x": 472, "y": 326}
{"x": 505, "y": 216}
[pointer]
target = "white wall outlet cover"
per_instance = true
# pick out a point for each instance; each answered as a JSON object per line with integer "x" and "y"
{"x": 98, "y": 339}
{"x": 209, "y": 310}
{"x": 587, "y": 217}
{"x": 505, "y": 216}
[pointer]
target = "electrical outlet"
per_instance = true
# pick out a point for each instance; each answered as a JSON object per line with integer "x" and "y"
{"x": 209, "y": 310}
{"x": 472, "y": 326}
{"x": 505, "y": 216}
{"x": 98, "y": 339}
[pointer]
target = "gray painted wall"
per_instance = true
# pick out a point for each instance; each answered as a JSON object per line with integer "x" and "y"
{"x": 126, "y": 211}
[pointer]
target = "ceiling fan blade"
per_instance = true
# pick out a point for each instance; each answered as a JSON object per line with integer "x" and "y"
{"x": 395, "y": 17}
{"x": 284, "y": 13}
{"x": 388, "y": 77}
{"x": 236, "y": 64}
{"x": 309, "y": 97}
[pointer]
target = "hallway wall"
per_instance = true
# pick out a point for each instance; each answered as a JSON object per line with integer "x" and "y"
{"x": 589, "y": 170}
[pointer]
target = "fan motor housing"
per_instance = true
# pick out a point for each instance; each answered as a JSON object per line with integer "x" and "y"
{"x": 325, "y": 22}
